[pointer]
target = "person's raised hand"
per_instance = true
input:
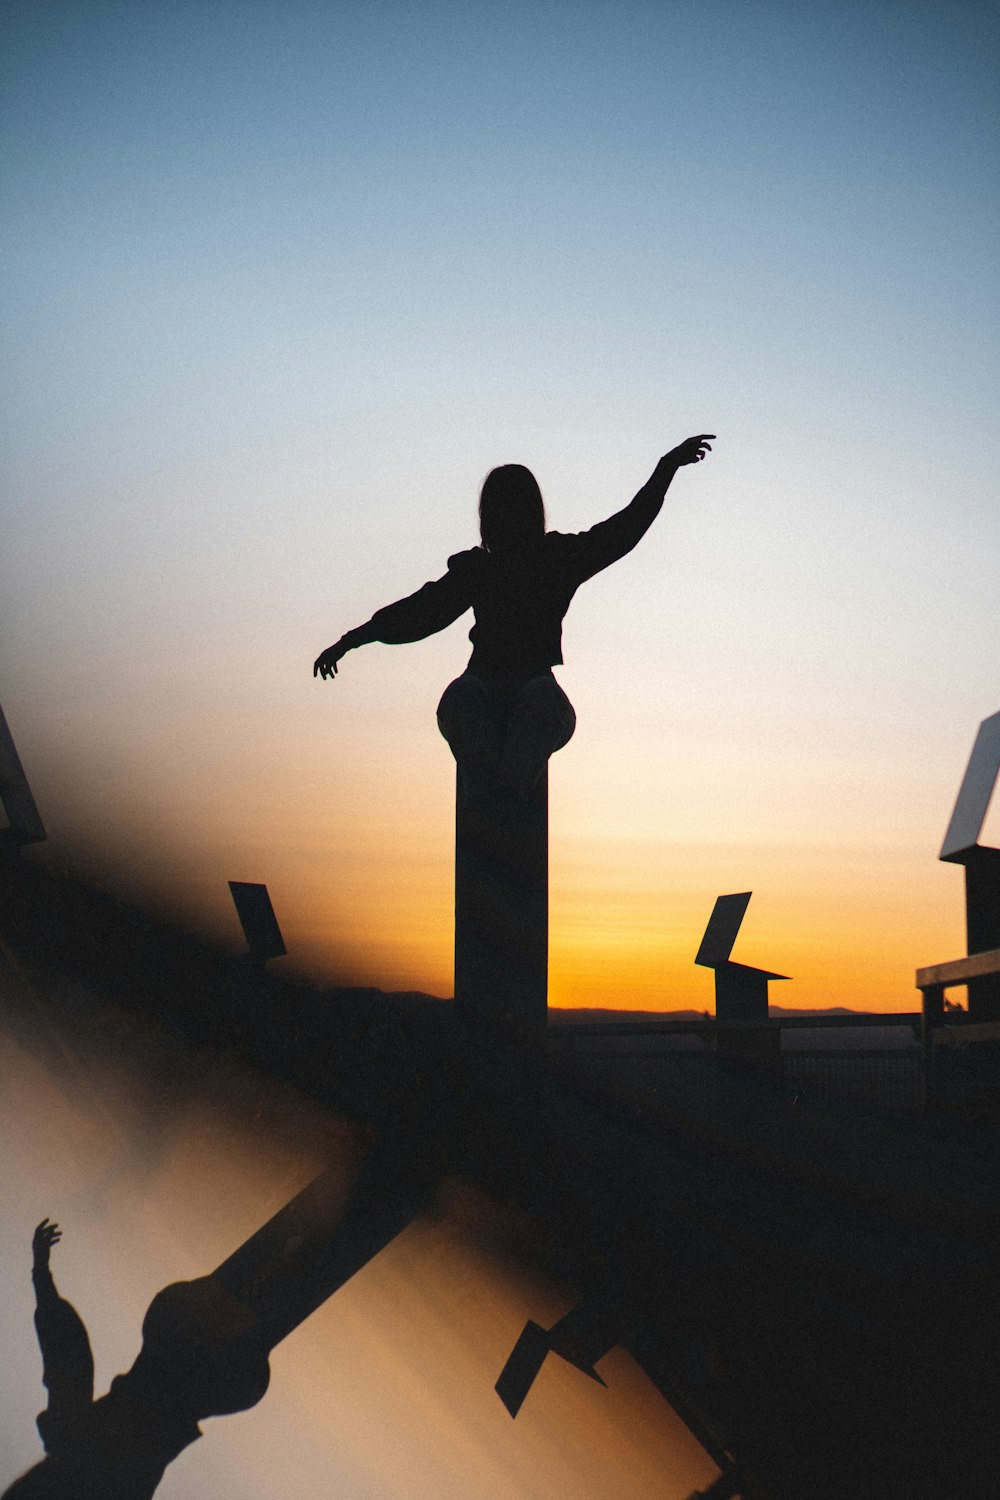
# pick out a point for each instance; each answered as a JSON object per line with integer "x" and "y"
{"x": 45, "y": 1236}
{"x": 693, "y": 449}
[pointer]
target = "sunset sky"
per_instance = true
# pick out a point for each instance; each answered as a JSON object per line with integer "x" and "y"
{"x": 283, "y": 282}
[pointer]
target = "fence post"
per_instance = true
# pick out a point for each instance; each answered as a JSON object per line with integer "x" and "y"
{"x": 932, "y": 1018}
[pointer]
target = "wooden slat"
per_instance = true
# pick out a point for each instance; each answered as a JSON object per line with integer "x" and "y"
{"x": 960, "y": 970}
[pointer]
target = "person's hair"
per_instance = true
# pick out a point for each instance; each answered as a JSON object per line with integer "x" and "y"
{"x": 511, "y": 509}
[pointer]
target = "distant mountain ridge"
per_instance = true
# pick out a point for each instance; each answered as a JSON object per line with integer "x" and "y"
{"x": 570, "y": 1015}
{"x": 578, "y": 1015}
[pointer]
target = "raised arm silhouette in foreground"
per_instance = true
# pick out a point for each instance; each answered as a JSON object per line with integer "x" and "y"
{"x": 506, "y": 714}
{"x": 115, "y": 1448}
{"x": 206, "y": 1342}
{"x": 67, "y": 1363}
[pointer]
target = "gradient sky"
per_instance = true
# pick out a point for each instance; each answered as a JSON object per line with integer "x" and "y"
{"x": 282, "y": 283}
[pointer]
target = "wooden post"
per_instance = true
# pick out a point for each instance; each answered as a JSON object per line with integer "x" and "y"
{"x": 502, "y": 910}
{"x": 982, "y": 864}
{"x": 741, "y": 994}
{"x": 932, "y": 982}
{"x": 982, "y": 922}
{"x": 933, "y": 1017}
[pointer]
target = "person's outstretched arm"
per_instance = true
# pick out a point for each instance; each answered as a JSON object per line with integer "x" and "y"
{"x": 609, "y": 540}
{"x": 67, "y": 1363}
{"x": 430, "y": 609}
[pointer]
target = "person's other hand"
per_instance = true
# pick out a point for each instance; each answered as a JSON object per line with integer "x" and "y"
{"x": 325, "y": 664}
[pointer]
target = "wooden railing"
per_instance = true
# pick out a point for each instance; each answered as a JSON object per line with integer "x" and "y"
{"x": 932, "y": 982}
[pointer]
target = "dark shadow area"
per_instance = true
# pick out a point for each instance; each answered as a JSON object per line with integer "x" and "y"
{"x": 812, "y": 1288}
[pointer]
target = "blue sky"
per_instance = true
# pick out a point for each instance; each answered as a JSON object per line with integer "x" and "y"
{"x": 283, "y": 282}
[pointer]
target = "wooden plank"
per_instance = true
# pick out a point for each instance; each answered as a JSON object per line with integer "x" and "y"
{"x": 960, "y": 970}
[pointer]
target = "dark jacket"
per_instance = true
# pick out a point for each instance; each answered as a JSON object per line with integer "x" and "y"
{"x": 519, "y": 597}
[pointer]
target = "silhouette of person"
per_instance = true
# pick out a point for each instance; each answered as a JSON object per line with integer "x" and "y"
{"x": 196, "y": 1361}
{"x": 506, "y": 714}
{"x": 206, "y": 1342}
{"x": 67, "y": 1361}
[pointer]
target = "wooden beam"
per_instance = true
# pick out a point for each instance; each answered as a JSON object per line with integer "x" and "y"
{"x": 959, "y": 970}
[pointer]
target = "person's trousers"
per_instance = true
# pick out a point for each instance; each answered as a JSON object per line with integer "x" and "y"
{"x": 502, "y": 730}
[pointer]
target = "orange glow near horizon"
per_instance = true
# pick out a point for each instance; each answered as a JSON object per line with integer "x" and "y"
{"x": 361, "y": 875}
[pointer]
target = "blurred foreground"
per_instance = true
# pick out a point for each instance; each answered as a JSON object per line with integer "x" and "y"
{"x": 810, "y": 1286}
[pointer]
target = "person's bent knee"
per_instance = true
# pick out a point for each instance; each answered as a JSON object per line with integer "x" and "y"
{"x": 462, "y": 700}
{"x": 544, "y": 714}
